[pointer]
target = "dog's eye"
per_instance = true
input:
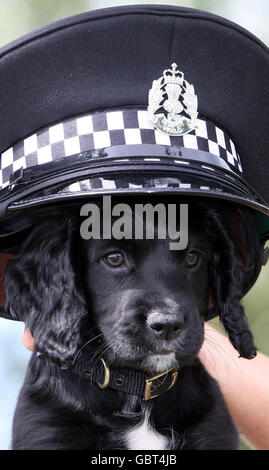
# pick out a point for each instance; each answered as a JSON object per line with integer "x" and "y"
{"x": 192, "y": 258}
{"x": 115, "y": 260}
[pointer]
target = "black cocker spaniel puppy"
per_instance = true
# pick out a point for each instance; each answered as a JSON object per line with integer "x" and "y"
{"x": 128, "y": 309}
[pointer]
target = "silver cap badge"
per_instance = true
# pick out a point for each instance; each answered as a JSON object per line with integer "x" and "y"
{"x": 175, "y": 96}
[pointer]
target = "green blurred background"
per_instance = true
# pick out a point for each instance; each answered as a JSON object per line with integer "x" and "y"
{"x": 18, "y": 17}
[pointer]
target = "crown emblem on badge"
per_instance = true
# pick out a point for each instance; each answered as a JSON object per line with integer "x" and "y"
{"x": 175, "y": 98}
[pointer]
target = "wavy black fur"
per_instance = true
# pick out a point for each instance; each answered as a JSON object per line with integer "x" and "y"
{"x": 59, "y": 286}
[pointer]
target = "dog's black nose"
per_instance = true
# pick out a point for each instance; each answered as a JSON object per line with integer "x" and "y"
{"x": 167, "y": 330}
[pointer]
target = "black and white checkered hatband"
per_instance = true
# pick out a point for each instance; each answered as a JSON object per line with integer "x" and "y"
{"x": 119, "y": 151}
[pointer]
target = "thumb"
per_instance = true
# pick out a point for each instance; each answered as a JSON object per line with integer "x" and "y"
{"x": 28, "y": 339}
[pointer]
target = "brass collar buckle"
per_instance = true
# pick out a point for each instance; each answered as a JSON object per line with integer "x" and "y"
{"x": 159, "y": 384}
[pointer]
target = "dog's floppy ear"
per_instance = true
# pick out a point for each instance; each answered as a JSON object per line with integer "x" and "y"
{"x": 41, "y": 286}
{"x": 227, "y": 305}
{"x": 226, "y": 281}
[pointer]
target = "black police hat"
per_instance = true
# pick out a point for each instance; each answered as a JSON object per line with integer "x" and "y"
{"x": 137, "y": 99}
